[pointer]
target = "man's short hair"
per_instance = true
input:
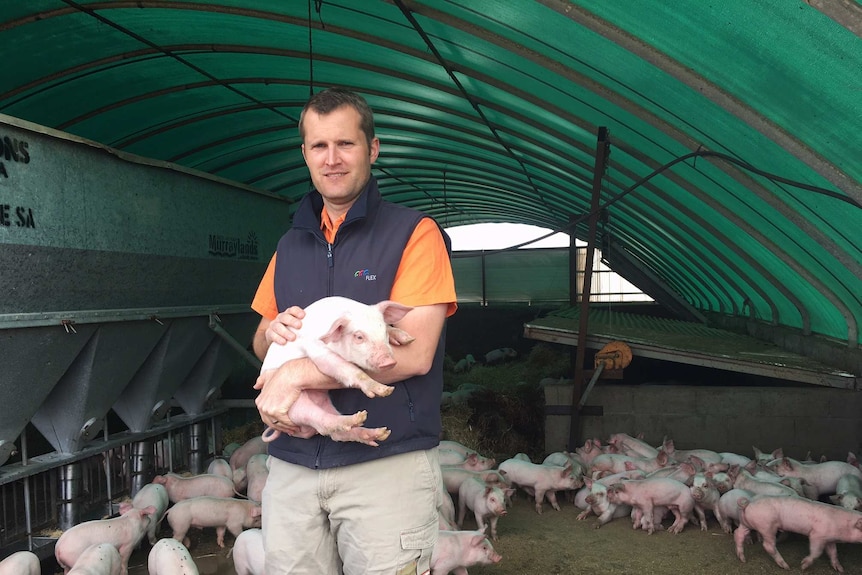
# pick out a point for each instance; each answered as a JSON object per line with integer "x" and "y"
{"x": 331, "y": 99}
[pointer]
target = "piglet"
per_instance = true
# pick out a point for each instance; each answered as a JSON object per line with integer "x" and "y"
{"x": 170, "y": 557}
{"x": 454, "y": 476}
{"x": 257, "y": 471}
{"x": 823, "y": 476}
{"x": 824, "y": 524}
{"x": 540, "y": 480}
{"x": 21, "y": 563}
{"x": 179, "y": 487}
{"x": 457, "y": 550}
{"x": 240, "y": 456}
{"x": 123, "y": 532}
{"x": 342, "y": 337}
{"x": 486, "y": 501}
{"x": 99, "y": 559}
{"x": 727, "y": 510}
{"x": 222, "y": 513}
{"x": 220, "y": 466}
{"x": 848, "y": 492}
{"x": 646, "y": 494}
{"x": 151, "y": 494}
{"x": 595, "y": 500}
{"x": 472, "y": 462}
{"x": 248, "y": 554}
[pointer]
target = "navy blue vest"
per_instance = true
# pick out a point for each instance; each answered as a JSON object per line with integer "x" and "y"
{"x": 360, "y": 264}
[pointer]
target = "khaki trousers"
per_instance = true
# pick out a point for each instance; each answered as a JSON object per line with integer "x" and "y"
{"x": 377, "y": 517}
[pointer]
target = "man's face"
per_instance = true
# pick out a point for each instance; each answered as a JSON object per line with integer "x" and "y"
{"x": 338, "y": 156}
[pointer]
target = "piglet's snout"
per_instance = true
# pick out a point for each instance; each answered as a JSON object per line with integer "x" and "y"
{"x": 382, "y": 359}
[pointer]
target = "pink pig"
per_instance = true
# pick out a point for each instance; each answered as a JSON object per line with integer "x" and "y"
{"x": 824, "y": 524}
{"x": 123, "y": 532}
{"x": 151, "y": 494}
{"x": 823, "y": 476}
{"x": 486, "y": 501}
{"x": 219, "y": 512}
{"x": 644, "y": 495}
{"x": 257, "y": 470}
{"x": 179, "y": 487}
{"x": 342, "y": 337}
{"x": 541, "y": 480}
{"x": 240, "y": 457}
{"x": 457, "y": 550}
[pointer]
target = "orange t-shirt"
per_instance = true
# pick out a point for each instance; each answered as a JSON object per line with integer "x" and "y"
{"x": 424, "y": 276}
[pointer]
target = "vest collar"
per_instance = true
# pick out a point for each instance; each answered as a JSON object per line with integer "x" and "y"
{"x": 308, "y": 213}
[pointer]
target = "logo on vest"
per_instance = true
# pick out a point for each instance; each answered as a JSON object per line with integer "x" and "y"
{"x": 365, "y": 274}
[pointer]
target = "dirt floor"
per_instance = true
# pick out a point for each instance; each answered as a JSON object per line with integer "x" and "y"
{"x": 556, "y": 543}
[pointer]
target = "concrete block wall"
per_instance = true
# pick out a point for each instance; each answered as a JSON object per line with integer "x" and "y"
{"x": 821, "y": 420}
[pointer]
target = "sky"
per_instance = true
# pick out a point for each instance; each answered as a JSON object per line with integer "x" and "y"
{"x": 497, "y": 236}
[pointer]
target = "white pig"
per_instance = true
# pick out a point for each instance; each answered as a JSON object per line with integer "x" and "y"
{"x": 151, "y": 494}
{"x": 824, "y": 524}
{"x": 823, "y": 476}
{"x": 179, "y": 487}
{"x": 21, "y": 563}
{"x": 848, "y": 493}
{"x": 170, "y": 557}
{"x": 257, "y": 471}
{"x": 472, "y": 461}
{"x": 453, "y": 477}
{"x": 486, "y": 501}
{"x": 342, "y": 337}
{"x": 219, "y": 512}
{"x": 727, "y": 510}
{"x": 123, "y": 532}
{"x": 540, "y": 480}
{"x": 248, "y": 554}
{"x": 457, "y": 550}
{"x": 99, "y": 559}
{"x": 220, "y": 466}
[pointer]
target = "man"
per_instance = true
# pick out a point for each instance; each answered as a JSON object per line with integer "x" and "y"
{"x": 332, "y": 507}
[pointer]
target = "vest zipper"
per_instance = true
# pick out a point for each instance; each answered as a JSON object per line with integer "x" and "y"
{"x": 330, "y": 264}
{"x": 410, "y": 404}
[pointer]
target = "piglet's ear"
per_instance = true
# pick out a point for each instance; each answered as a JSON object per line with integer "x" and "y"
{"x": 398, "y": 336}
{"x": 392, "y": 311}
{"x": 478, "y": 539}
{"x": 336, "y": 330}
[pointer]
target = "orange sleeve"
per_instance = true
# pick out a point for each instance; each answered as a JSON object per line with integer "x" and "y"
{"x": 264, "y": 299}
{"x": 425, "y": 276}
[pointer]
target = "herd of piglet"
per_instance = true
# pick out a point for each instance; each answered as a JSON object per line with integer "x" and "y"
{"x": 628, "y": 478}
{"x": 625, "y": 477}
{"x": 226, "y": 497}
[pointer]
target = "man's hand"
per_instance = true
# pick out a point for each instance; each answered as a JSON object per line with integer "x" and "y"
{"x": 278, "y": 330}
{"x": 275, "y": 400}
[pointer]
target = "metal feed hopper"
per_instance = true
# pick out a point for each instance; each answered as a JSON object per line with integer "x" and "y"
{"x": 132, "y": 287}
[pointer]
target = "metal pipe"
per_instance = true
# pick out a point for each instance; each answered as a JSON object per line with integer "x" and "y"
{"x": 215, "y": 325}
{"x": 71, "y": 486}
{"x": 602, "y": 149}
{"x": 142, "y": 465}
{"x": 197, "y": 447}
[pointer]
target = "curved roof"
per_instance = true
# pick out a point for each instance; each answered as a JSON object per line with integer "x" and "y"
{"x": 490, "y": 111}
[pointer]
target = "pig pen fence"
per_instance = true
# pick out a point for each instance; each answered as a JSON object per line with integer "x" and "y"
{"x": 52, "y": 492}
